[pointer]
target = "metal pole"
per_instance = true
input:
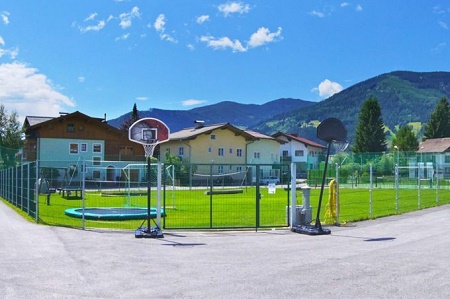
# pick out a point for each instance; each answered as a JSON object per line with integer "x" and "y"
{"x": 158, "y": 208}
{"x": 370, "y": 192}
{"x": 337, "y": 194}
{"x": 149, "y": 192}
{"x": 324, "y": 177}
{"x": 293, "y": 195}
{"x": 83, "y": 187}
{"x": 396, "y": 189}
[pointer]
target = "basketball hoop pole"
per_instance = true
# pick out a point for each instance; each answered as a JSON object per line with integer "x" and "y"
{"x": 149, "y": 132}
{"x": 149, "y": 192}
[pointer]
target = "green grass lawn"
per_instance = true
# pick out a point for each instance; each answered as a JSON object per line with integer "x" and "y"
{"x": 195, "y": 210}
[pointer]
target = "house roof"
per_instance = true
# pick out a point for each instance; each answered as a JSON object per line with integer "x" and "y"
{"x": 258, "y": 135}
{"x": 290, "y": 137}
{"x": 193, "y": 132}
{"x": 35, "y": 122}
{"x": 435, "y": 145}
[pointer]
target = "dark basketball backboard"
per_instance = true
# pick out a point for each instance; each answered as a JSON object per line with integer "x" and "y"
{"x": 331, "y": 129}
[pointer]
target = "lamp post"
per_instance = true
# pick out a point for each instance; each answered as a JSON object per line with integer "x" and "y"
{"x": 398, "y": 154}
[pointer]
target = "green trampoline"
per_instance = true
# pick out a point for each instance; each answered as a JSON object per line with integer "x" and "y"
{"x": 113, "y": 213}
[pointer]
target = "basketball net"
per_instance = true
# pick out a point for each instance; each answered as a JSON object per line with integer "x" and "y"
{"x": 340, "y": 146}
{"x": 149, "y": 149}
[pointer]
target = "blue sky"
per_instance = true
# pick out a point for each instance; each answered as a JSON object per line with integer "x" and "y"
{"x": 102, "y": 56}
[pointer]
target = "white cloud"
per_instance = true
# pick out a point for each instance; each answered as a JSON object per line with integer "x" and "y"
{"x": 160, "y": 23}
{"x": 233, "y": 7}
{"x": 316, "y": 13}
{"x": 160, "y": 26}
{"x": 91, "y": 17}
{"x": 439, "y": 48}
{"x": 81, "y": 79}
{"x": 126, "y": 18}
{"x": 193, "y": 102}
{"x": 263, "y": 36}
{"x": 2, "y": 41}
{"x": 202, "y": 19}
{"x": 191, "y": 47}
{"x": 443, "y": 25}
{"x": 223, "y": 43}
{"x": 122, "y": 37}
{"x": 4, "y": 15}
{"x": 142, "y": 98}
{"x": 26, "y": 91}
{"x": 344, "y": 4}
{"x": 328, "y": 88}
{"x": 12, "y": 52}
{"x": 359, "y": 7}
{"x": 100, "y": 25}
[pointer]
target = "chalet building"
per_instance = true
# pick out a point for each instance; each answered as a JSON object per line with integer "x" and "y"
{"x": 61, "y": 142}
{"x": 433, "y": 154}
{"x": 299, "y": 150}
{"x": 225, "y": 146}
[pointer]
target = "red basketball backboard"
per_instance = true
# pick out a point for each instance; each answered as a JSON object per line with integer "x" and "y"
{"x": 149, "y": 131}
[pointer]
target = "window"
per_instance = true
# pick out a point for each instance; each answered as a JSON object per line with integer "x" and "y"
{"x": 209, "y": 150}
{"x": 239, "y": 152}
{"x": 73, "y": 148}
{"x": 220, "y": 169}
{"x": 231, "y": 151}
{"x": 238, "y": 168}
{"x": 213, "y": 136}
{"x": 96, "y": 160}
{"x": 447, "y": 159}
{"x": 220, "y": 153}
{"x": 285, "y": 153}
{"x": 83, "y": 147}
{"x": 96, "y": 175}
{"x": 97, "y": 148}
{"x": 70, "y": 127}
{"x": 181, "y": 151}
{"x": 256, "y": 155}
{"x": 299, "y": 153}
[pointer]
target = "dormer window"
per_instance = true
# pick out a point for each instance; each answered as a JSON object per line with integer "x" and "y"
{"x": 70, "y": 127}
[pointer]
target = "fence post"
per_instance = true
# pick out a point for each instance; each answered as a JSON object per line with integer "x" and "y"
{"x": 210, "y": 196}
{"x": 293, "y": 195}
{"x": 258, "y": 197}
{"x": 36, "y": 192}
{"x": 337, "y": 195}
{"x": 418, "y": 186}
{"x": 370, "y": 193}
{"x": 396, "y": 188}
{"x": 83, "y": 188}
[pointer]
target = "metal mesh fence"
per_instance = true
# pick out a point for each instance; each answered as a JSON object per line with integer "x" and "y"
{"x": 205, "y": 196}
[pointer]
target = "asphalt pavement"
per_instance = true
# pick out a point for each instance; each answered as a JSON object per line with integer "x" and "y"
{"x": 405, "y": 256}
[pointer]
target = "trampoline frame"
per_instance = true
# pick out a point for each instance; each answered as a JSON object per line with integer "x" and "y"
{"x": 112, "y": 213}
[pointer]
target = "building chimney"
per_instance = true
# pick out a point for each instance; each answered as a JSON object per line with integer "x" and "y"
{"x": 199, "y": 124}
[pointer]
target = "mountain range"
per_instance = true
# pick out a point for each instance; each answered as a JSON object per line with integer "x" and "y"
{"x": 405, "y": 97}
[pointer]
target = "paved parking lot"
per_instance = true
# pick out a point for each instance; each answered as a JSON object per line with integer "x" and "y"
{"x": 406, "y": 256}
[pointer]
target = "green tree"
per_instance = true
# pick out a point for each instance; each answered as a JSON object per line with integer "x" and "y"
{"x": 439, "y": 124}
{"x": 405, "y": 140}
{"x": 370, "y": 137}
{"x": 134, "y": 116}
{"x": 10, "y": 136}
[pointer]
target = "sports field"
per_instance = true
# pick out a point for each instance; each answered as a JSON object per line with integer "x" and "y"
{"x": 196, "y": 209}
